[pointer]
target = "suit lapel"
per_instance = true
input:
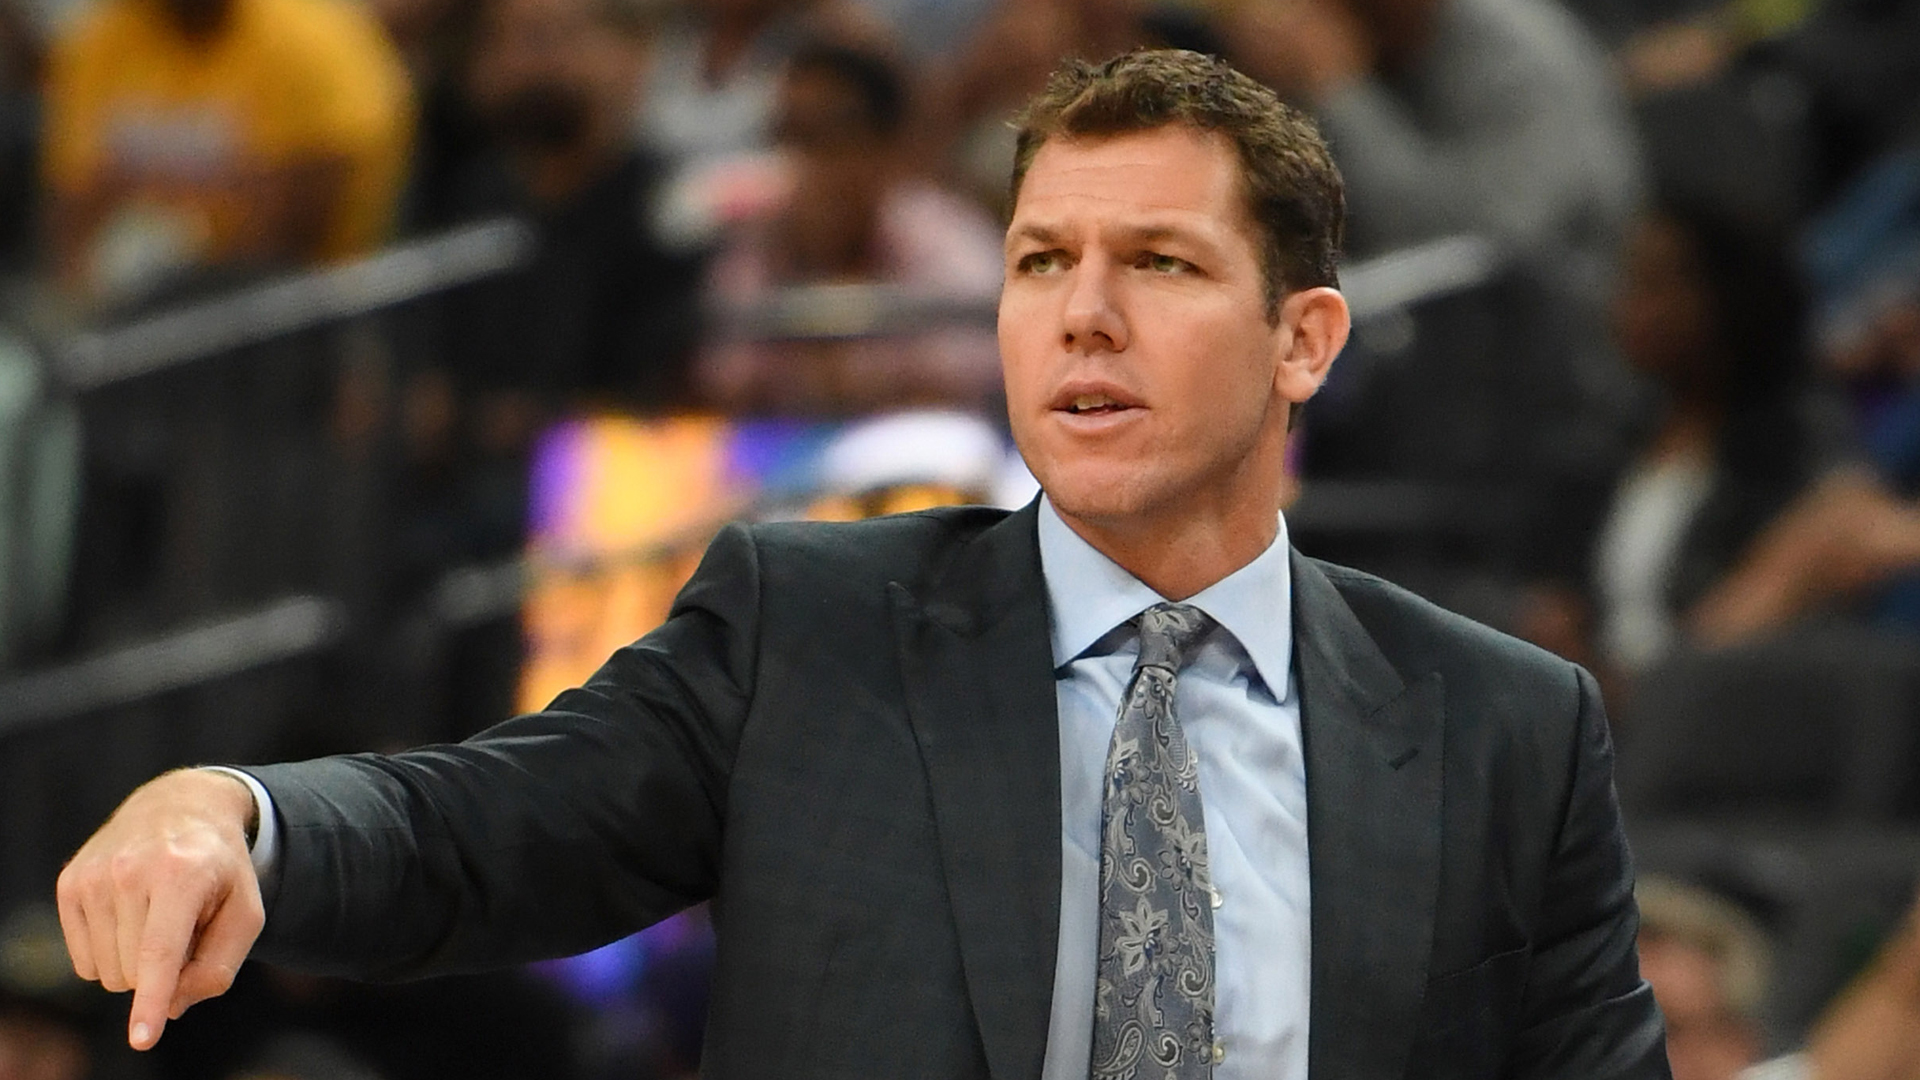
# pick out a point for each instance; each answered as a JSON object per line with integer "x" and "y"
{"x": 977, "y": 663}
{"x": 1373, "y": 750}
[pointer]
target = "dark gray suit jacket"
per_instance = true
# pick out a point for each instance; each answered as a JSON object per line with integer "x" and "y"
{"x": 845, "y": 736}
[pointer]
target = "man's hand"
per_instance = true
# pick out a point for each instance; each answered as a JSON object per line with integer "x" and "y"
{"x": 163, "y": 900}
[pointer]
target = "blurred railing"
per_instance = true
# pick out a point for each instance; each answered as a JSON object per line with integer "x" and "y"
{"x": 38, "y": 421}
{"x": 288, "y": 629}
{"x": 261, "y": 313}
{"x": 246, "y": 660}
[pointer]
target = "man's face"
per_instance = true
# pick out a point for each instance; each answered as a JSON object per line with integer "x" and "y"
{"x": 1143, "y": 374}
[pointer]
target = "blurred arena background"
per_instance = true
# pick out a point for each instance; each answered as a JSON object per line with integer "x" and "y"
{"x": 369, "y": 369}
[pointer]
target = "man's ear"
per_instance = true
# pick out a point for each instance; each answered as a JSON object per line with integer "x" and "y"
{"x": 1313, "y": 329}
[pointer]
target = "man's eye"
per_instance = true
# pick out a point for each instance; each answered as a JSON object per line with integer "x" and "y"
{"x": 1163, "y": 264}
{"x": 1042, "y": 262}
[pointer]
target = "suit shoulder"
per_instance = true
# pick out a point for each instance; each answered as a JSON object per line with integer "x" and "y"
{"x": 897, "y": 547}
{"x": 1418, "y": 635}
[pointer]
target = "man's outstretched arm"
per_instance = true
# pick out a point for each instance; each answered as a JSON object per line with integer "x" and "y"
{"x": 545, "y": 835}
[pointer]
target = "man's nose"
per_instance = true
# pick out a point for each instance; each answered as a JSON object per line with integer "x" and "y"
{"x": 1093, "y": 320}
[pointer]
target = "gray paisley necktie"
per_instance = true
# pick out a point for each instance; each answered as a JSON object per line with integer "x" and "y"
{"x": 1153, "y": 994}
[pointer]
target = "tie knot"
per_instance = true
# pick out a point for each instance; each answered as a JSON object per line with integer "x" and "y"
{"x": 1167, "y": 631}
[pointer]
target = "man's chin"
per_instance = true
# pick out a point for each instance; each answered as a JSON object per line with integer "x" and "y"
{"x": 1106, "y": 502}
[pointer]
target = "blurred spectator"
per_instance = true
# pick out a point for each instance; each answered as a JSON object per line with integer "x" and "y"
{"x": 854, "y": 214}
{"x": 1495, "y": 117}
{"x": 1713, "y": 315}
{"x": 1859, "y": 63}
{"x": 1863, "y": 256}
{"x": 1708, "y": 964}
{"x": 710, "y": 93}
{"x": 1853, "y": 67}
{"x": 601, "y": 316}
{"x": 1855, "y": 537}
{"x": 195, "y": 133}
{"x": 1844, "y": 539}
{"x": 602, "y": 311}
{"x": 1007, "y": 60}
{"x": 1872, "y": 1032}
{"x": 434, "y": 39}
{"x": 928, "y": 28}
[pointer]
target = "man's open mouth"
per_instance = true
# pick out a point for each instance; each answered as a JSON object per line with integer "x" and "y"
{"x": 1094, "y": 404}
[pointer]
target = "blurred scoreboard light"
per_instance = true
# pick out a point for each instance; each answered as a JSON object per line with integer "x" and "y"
{"x": 622, "y": 509}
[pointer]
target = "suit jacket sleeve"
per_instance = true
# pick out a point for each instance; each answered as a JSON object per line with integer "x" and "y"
{"x": 1586, "y": 1011}
{"x": 543, "y": 836}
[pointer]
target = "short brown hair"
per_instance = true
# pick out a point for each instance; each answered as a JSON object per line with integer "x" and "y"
{"x": 1294, "y": 191}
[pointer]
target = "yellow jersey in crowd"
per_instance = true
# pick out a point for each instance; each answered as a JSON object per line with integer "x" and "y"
{"x": 175, "y": 133}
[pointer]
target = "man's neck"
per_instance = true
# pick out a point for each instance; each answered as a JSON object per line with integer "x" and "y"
{"x": 1180, "y": 558}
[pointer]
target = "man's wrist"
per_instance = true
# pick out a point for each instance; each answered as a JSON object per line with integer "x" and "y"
{"x": 264, "y": 834}
{"x": 262, "y": 830}
{"x": 251, "y": 827}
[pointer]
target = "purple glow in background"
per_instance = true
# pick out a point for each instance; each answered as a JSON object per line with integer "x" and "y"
{"x": 558, "y": 472}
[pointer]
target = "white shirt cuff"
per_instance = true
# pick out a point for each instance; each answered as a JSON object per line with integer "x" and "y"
{"x": 265, "y": 851}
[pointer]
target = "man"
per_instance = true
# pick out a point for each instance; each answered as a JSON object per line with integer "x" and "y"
{"x": 184, "y": 134}
{"x": 889, "y": 751}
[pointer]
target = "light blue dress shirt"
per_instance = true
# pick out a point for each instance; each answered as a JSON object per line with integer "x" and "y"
{"x": 1239, "y": 707}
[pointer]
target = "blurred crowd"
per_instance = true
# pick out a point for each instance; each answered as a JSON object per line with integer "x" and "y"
{"x": 1636, "y": 375}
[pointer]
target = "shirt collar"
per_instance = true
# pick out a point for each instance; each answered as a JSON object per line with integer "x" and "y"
{"x": 1089, "y": 594}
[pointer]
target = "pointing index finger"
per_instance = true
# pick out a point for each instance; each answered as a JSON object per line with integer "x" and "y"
{"x": 164, "y": 944}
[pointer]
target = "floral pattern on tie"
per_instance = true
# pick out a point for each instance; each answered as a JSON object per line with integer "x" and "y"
{"x": 1153, "y": 993}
